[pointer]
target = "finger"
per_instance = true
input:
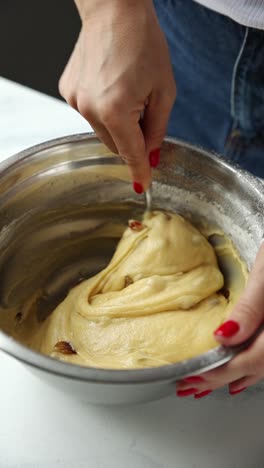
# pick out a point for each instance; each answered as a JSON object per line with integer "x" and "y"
{"x": 103, "y": 135}
{"x": 68, "y": 81}
{"x": 240, "y": 385}
{"x": 155, "y": 120}
{"x": 70, "y": 98}
{"x": 87, "y": 111}
{"x": 192, "y": 381}
{"x": 214, "y": 379}
{"x": 238, "y": 368}
{"x": 248, "y": 314}
{"x": 247, "y": 368}
{"x": 128, "y": 137}
{"x": 67, "y": 92}
{"x": 251, "y": 359}
{"x": 246, "y": 364}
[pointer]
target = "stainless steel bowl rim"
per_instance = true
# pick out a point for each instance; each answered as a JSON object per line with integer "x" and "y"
{"x": 219, "y": 354}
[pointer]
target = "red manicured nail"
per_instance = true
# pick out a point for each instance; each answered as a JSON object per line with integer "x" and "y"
{"x": 189, "y": 391}
{"x": 193, "y": 379}
{"x": 234, "y": 392}
{"x": 227, "y": 329}
{"x": 154, "y": 157}
{"x": 202, "y": 394}
{"x": 138, "y": 187}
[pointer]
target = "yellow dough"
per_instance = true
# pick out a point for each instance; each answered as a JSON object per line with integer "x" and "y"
{"x": 157, "y": 302}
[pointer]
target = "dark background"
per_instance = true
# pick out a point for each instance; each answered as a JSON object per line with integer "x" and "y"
{"x": 36, "y": 40}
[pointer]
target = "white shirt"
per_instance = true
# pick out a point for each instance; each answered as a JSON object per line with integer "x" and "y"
{"x": 247, "y": 12}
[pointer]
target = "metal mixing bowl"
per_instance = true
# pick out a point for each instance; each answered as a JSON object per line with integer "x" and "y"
{"x": 55, "y": 195}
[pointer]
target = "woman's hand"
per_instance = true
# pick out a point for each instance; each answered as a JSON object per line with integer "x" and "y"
{"x": 120, "y": 68}
{"x": 247, "y": 368}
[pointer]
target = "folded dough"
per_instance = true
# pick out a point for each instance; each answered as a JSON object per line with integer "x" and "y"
{"x": 157, "y": 302}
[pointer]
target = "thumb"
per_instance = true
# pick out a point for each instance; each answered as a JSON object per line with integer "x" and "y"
{"x": 248, "y": 314}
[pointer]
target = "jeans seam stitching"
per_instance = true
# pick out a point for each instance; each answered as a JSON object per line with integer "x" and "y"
{"x": 235, "y": 74}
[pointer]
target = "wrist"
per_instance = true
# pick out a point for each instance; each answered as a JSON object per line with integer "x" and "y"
{"x": 93, "y": 8}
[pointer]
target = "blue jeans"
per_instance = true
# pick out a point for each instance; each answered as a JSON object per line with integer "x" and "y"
{"x": 219, "y": 70}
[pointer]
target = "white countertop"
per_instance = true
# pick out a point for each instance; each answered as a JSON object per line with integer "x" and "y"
{"x": 42, "y": 428}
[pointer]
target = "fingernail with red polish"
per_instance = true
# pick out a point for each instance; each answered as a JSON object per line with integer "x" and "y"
{"x": 189, "y": 391}
{"x": 154, "y": 157}
{"x": 202, "y": 394}
{"x": 138, "y": 188}
{"x": 227, "y": 329}
{"x": 193, "y": 379}
{"x": 235, "y": 392}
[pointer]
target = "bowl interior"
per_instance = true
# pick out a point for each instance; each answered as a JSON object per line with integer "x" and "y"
{"x": 55, "y": 198}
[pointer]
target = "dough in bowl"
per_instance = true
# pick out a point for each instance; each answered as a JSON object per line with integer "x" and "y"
{"x": 157, "y": 302}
